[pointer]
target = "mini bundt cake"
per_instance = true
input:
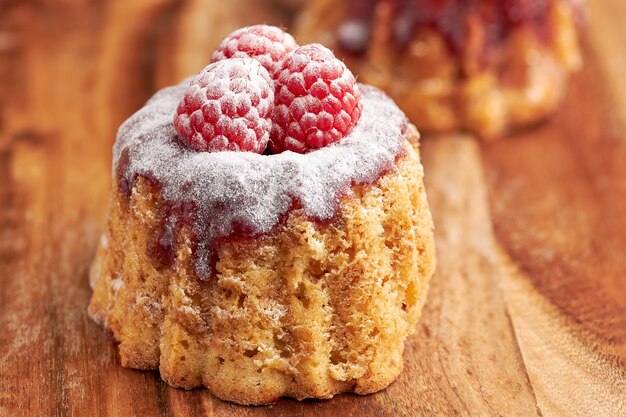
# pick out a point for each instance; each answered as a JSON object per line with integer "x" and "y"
{"x": 484, "y": 66}
{"x": 268, "y": 272}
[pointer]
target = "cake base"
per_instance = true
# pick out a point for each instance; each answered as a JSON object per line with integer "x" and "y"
{"x": 309, "y": 311}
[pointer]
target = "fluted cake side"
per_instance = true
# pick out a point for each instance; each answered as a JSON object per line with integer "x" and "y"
{"x": 311, "y": 309}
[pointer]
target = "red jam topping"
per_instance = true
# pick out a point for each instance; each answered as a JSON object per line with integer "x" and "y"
{"x": 449, "y": 17}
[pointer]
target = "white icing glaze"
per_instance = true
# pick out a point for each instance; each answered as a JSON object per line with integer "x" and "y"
{"x": 231, "y": 189}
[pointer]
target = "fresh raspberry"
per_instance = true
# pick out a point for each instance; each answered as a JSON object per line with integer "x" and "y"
{"x": 227, "y": 107}
{"x": 267, "y": 44}
{"x": 317, "y": 101}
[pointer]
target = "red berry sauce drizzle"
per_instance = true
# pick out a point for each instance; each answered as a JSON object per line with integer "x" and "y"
{"x": 226, "y": 195}
{"x": 449, "y": 17}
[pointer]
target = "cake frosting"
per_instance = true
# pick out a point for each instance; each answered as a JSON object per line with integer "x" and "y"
{"x": 242, "y": 193}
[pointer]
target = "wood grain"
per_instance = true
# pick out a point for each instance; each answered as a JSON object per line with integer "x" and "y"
{"x": 559, "y": 206}
{"x": 526, "y": 314}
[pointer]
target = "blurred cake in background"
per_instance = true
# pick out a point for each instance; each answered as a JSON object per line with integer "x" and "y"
{"x": 484, "y": 66}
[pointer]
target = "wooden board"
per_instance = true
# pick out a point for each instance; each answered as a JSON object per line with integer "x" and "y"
{"x": 526, "y": 314}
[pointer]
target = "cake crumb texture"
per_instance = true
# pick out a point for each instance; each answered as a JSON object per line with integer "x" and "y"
{"x": 308, "y": 311}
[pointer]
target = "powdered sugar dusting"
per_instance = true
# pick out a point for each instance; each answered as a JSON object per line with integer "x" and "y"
{"x": 233, "y": 192}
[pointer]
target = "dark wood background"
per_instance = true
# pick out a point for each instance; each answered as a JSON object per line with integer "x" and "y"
{"x": 526, "y": 314}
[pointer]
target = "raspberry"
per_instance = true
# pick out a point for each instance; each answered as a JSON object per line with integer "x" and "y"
{"x": 227, "y": 107}
{"x": 317, "y": 101}
{"x": 267, "y": 44}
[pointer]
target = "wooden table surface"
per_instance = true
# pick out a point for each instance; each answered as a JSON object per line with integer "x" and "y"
{"x": 527, "y": 312}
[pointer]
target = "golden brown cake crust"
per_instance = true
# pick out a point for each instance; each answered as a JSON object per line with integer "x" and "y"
{"x": 311, "y": 310}
{"x": 523, "y": 81}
